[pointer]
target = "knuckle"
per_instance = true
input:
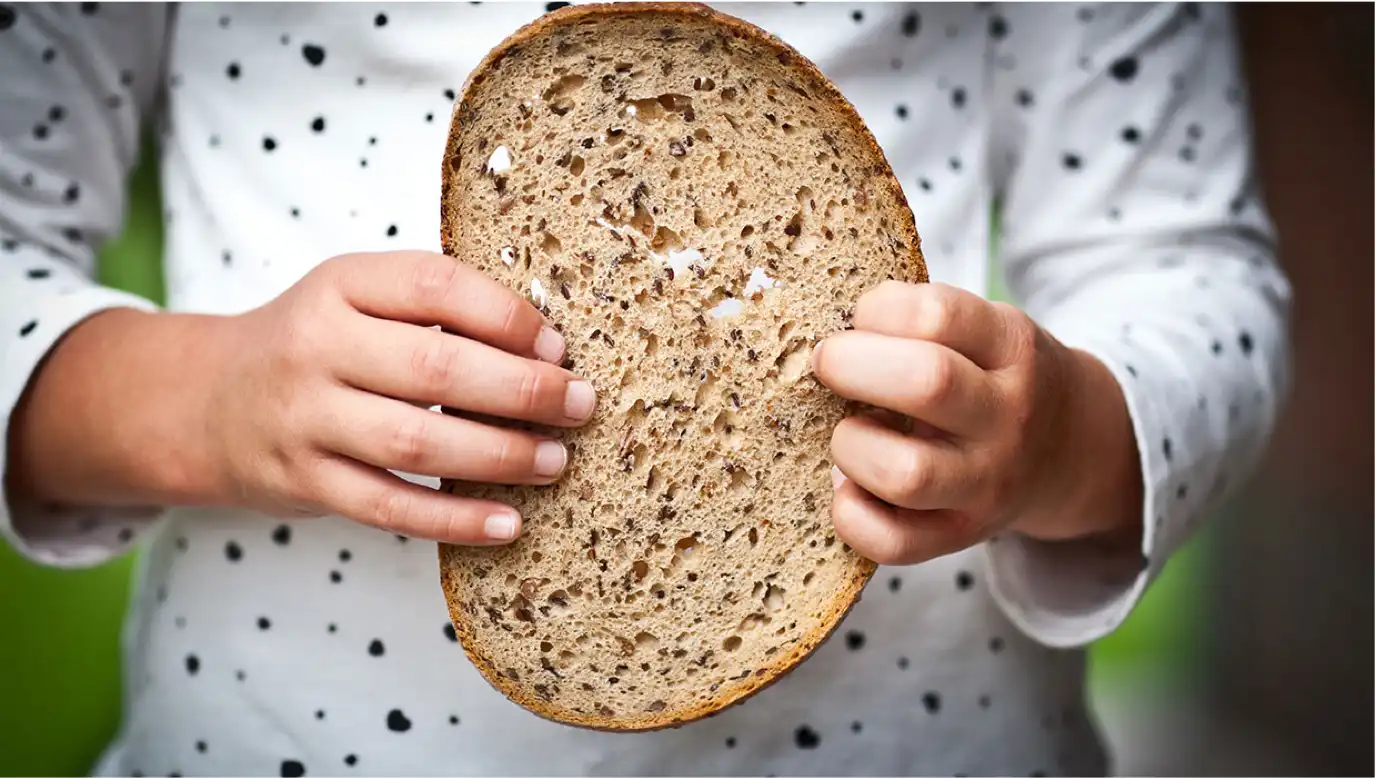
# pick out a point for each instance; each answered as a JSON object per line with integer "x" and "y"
{"x": 407, "y": 443}
{"x": 435, "y": 364}
{"x": 391, "y": 508}
{"x": 432, "y": 282}
{"x": 510, "y": 314}
{"x": 889, "y": 547}
{"x": 529, "y": 390}
{"x": 504, "y": 458}
{"x": 905, "y": 473}
{"x": 937, "y": 382}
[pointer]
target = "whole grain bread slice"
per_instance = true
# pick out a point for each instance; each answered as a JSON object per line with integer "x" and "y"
{"x": 695, "y": 206}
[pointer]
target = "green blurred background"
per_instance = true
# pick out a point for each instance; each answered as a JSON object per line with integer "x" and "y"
{"x": 59, "y": 665}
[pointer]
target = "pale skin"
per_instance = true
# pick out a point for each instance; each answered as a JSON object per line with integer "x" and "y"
{"x": 301, "y": 406}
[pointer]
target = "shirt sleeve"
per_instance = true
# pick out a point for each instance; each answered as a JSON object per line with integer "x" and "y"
{"x": 77, "y": 79}
{"x": 1133, "y": 229}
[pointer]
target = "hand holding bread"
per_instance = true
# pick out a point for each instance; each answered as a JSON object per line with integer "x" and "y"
{"x": 333, "y": 378}
{"x": 989, "y": 424}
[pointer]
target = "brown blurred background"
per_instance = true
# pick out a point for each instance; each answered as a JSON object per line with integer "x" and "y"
{"x": 1286, "y": 687}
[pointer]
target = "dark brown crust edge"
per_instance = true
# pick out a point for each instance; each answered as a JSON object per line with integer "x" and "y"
{"x": 864, "y": 568}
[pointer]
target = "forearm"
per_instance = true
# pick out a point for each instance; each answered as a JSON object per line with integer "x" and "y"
{"x": 115, "y": 414}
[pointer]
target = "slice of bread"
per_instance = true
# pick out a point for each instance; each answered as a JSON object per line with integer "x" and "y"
{"x": 695, "y": 206}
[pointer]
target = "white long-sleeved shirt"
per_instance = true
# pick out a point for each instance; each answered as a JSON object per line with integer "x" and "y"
{"x": 1114, "y": 136}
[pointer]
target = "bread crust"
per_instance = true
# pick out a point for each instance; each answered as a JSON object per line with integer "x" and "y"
{"x": 450, "y": 232}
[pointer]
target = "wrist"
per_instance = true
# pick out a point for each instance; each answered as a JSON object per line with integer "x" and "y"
{"x": 1099, "y": 495}
{"x": 116, "y": 414}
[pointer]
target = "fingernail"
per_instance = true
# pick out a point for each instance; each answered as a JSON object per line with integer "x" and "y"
{"x": 579, "y": 399}
{"x": 817, "y": 353}
{"x": 550, "y": 458}
{"x": 549, "y": 345}
{"x": 502, "y": 527}
{"x": 837, "y": 477}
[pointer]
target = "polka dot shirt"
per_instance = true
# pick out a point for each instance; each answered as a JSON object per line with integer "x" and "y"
{"x": 1113, "y": 138}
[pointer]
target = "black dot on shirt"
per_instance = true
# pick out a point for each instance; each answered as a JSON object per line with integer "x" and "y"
{"x": 126, "y": 78}
{"x": 114, "y": 102}
{"x": 313, "y": 54}
{"x": 336, "y": 576}
{"x": 895, "y": 583}
{"x": 345, "y": 555}
{"x": 1194, "y": 131}
{"x": 38, "y": 273}
{"x": 360, "y": 81}
{"x": 901, "y": 110}
{"x": 125, "y": 534}
{"x": 200, "y": 746}
{"x": 193, "y": 664}
{"x": 350, "y": 760}
{"x": 239, "y": 675}
{"x": 932, "y": 702}
{"x": 318, "y": 124}
{"x": 89, "y": 9}
{"x": 857, "y": 16}
{"x": 292, "y": 769}
{"x": 40, "y": 131}
{"x": 952, "y": 31}
{"x": 964, "y": 580}
{"x": 6, "y": 17}
{"x": 912, "y": 23}
{"x": 1182, "y": 491}
{"x": 319, "y": 714}
{"x": 26, "y": 180}
{"x": 392, "y": 231}
{"x": 806, "y": 737}
{"x": 554, "y": 6}
{"x": 449, "y": 632}
{"x": 263, "y": 622}
{"x": 1132, "y": 371}
{"x": 731, "y": 742}
{"x": 281, "y": 535}
{"x": 332, "y": 628}
{"x": 954, "y": 162}
{"x": 72, "y": 194}
{"x": 269, "y": 143}
{"x": 1187, "y": 153}
{"x": 49, "y": 54}
{"x": 363, "y": 162}
{"x": 397, "y": 721}
{"x": 1130, "y": 134}
{"x": 1071, "y": 161}
{"x": 453, "y": 720}
{"x": 226, "y": 257}
{"x": 375, "y": 648}
{"x": 924, "y": 184}
{"x": 998, "y": 27}
{"x": 295, "y": 213}
{"x": 855, "y": 640}
{"x": 179, "y": 622}
{"x": 72, "y": 234}
{"x": 1024, "y": 98}
{"x": 224, "y": 22}
{"x": 902, "y": 663}
{"x": 1123, "y": 69}
{"x": 958, "y": 97}
{"x": 372, "y": 141}
{"x": 896, "y": 64}
{"x": 1216, "y": 347}
{"x": 380, "y": 20}
{"x": 449, "y": 94}
{"x": 233, "y": 551}
{"x": 1244, "y": 342}
{"x": 57, "y": 113}
{"x": 214, "y": 141}
{"x": 233, "y": 70}
{"x": 856, "y": 726}
{"x": 1084, "y": 14}
{"x": 1166, "y": 448}
{"x": 995, "y": 645}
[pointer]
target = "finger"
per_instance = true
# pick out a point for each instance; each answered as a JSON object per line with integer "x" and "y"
{"x": 378, "y": 498}
{"x": 439, "y": 368}
{"x": 896, "y": 536}
{"x": 938, "y": 313}
{"x": 434, "y": 290}
{"x": 925, "y": 380}
{"x": 394, "y": 435}
{"x": 902, "y": 470}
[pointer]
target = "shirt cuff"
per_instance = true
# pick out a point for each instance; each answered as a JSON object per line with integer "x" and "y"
{"x": 56, "y": 535}
{"x": 1070, "y": 594}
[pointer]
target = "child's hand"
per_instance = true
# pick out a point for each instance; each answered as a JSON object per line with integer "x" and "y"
{"x": 1012, "y": 430}
{"x": 326, "y": 387}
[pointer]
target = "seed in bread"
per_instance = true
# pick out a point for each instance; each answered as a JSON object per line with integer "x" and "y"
{"x": 695, "y": 206}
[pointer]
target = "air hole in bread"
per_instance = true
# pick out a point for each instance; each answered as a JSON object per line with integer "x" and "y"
{"x": 704, "y": 84}
{"x": 559, "y": 95}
